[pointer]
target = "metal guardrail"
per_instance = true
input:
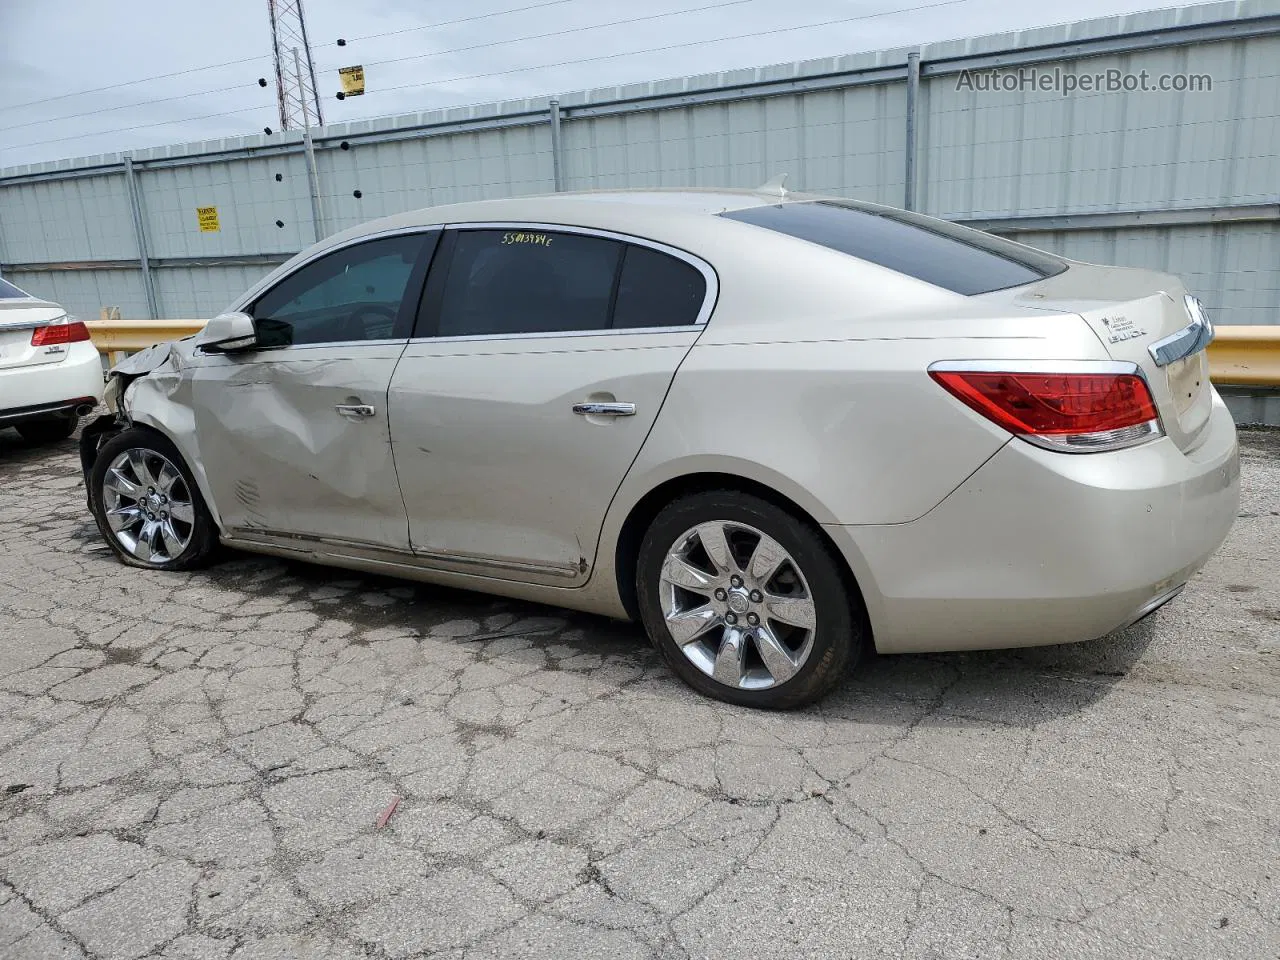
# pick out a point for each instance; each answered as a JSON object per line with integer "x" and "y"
{"x": 1245, "y": 356}
{"x": 116, "y": 339}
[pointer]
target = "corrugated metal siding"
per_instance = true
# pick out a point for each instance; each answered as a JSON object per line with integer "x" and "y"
{"x": 82, "y": 219}
{"x": 849, "y": 142}
{"x": 85, "y": 292}
{"x": 1038, "y": 152}
{"x": 1233, "y": 268}
{"x": 1261, "y": 408}
{"x": 204, "y": 291}
{"x": 411, "y": 174}
{"x": 249, "y": 202}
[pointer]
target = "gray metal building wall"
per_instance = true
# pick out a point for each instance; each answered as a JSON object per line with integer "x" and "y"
{"x": 1186, "y": 182}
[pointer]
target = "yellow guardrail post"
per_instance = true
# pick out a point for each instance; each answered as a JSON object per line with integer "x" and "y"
{"x": 119, "y": 338}
{"x": 1246, "y": 356}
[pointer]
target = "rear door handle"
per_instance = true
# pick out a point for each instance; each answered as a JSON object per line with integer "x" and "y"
{"x": 355, "y": 411}
{"x": 605, "y": 409}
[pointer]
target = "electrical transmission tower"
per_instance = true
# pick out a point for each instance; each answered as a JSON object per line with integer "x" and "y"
{"x": 295, "y": 78}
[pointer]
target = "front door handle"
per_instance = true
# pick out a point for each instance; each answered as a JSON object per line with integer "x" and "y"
{"x": 355, "y": 411}
{"x": 605, "y": 409}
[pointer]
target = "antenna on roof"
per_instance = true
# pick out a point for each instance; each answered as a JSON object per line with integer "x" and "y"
{"x": 774, "y": 187}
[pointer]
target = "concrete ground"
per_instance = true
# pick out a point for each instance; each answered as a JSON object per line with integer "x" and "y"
{"x": 193, "y": 766}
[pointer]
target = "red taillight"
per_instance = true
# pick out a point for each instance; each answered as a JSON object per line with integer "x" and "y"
{"x": 1077, "y": 411}
{"x": 73, "y": 331}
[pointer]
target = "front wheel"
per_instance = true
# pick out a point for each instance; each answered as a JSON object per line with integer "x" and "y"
{"x": 147, "y": 505}
{"x": 747, "y": 603}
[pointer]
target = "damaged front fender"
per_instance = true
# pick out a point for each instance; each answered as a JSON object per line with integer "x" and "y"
{"x": 151, "y": 388}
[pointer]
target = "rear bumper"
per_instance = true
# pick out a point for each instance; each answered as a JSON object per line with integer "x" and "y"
{"x": 27, "y": 392}
{"x": 1038, "y": 547}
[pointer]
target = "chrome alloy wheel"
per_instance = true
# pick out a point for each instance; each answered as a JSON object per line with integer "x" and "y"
{"x": 148, "y": 505}
{"x": 737, "y": 605}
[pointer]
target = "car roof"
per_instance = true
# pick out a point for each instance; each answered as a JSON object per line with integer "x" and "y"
{"x": 640, "y": 211}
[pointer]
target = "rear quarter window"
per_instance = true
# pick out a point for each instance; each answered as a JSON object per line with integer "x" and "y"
{"x": 944, "y": 254}
{"x": 657, "y": 290}
{"x": 9, "y": 292}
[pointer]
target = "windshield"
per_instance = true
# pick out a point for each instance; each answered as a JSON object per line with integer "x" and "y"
{"x": 9, "y": 292}
{"x": 944, "y": 254}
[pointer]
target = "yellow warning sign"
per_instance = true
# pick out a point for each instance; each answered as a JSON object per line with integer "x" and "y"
{"x": 352, "y": 79}
{"x": 208, "y": 218}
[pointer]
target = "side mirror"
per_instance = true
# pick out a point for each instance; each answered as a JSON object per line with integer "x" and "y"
{"x": 228, "y": 332}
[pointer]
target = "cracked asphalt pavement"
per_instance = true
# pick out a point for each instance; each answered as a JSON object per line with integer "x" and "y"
{"x": 194, "y": 766}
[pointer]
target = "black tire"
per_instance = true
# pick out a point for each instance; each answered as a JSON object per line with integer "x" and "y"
{"x": 840, "y": 632}
{"x": 203, "y": 542}
{"x": 48, "y": 429}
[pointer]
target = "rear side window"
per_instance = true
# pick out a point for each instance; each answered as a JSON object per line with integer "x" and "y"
{"x": 9, "y": 292}
{"x": 956, "y": 258}
{"x": 657, "y": 290}
{"x": 528, "y": 281}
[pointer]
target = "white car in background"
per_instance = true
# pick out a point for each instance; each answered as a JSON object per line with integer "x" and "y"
{"x": 50, "y": 373}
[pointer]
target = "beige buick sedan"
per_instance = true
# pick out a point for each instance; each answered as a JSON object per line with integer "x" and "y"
{"x": 777, "y": 429}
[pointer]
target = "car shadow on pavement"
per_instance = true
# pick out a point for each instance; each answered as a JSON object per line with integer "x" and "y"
{"x": 1021, "y": 687}
{"x": 1017, "y": 687}
{"x": 16, "y": 451}
{"x": 1014, "y": 687}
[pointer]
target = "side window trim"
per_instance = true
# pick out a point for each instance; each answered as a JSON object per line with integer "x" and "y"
{"x": 413, "y": 292}
{"x": 428, "y": 320}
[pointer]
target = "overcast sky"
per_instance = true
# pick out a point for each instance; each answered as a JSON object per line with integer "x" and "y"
{"x": 55, "y": 51}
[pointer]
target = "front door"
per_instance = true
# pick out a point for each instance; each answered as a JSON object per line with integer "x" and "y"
{"x": 294, "y": 434}
{"x": 515, "y": 420}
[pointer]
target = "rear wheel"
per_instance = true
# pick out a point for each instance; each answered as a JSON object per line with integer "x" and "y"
{"x": 745, "y": 602}
{"x": 147, "y": 505}
{"x": 48, "y": 429}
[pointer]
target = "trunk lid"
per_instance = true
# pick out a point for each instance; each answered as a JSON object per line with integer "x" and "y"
{"x": 18, "y": 318}
{"x": 1130, "y": 311}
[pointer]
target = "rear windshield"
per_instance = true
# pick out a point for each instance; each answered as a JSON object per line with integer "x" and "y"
{"x": 944, "y": 254}
{"x": 9, "y": 292}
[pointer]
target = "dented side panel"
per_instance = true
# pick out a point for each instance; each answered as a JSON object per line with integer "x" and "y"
{"x": 498, "y": 471}
{"x": 284, "y": 451}
{"x": 153, "y": 388}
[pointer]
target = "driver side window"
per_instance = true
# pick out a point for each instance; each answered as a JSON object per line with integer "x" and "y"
{"x": 352, "y": 294}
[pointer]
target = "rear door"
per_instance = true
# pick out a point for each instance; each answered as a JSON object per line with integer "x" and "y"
{"x": 294, "y": 435}
{"x": 542, "y": 359}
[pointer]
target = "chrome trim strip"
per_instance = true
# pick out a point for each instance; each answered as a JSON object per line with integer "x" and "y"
{"x": 1102, "y": 441}
{"x": 1191, "y": 339}
{"x": 372, "y": 552}
{"x": 327, "y": 345}
{"x": 605, "y": 409}
{"x": 565, "y": 334}
{"x": 1036, "y": 366}
{"x": 40, "y": 410}
{"x": 9, "y": 325}
{"x": 511, "y": 566}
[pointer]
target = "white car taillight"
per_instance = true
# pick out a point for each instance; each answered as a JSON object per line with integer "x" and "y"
{"x": 62, "y": 330}
{"x": 1082, "y": 407}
